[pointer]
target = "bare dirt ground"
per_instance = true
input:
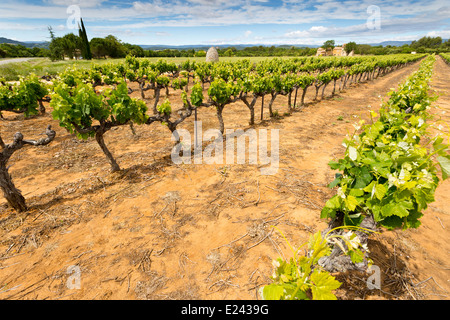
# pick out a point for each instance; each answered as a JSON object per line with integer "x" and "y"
{"x": 156, "y": 230}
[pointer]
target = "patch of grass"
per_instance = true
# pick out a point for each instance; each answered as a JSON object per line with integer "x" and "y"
{"x": 43, "y": 66}
{"x": 340, "y": 118}
{"x": 9, "y": 72}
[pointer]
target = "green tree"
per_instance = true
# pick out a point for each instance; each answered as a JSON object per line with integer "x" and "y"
{"x": 363, "y": 48}
{"x": 134, "y": 50}
{"x": 228, "y": 53}
{"x": 109, "y": 46}
{"x": 420, "y": 49}
{"x": 446, "y": 44}
{"x": 56, "y": 46}
{"x": 70, "y": 45}
{"x": 328, "y": 44}
{"x": 98, "y": 47}
{"x": 406, "y": 49}
{"x": 427, "y": 42}
{"x": 115, "y": 47}
{"x": 349, "y": 47}
{"x": 200, "y": 53}
{"x": 3, "y": 53}
{"x": 84, "y": 46}
{"x": 378, "y": 50}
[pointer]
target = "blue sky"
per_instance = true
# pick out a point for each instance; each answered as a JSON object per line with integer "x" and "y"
{"x": 214, "y": 22}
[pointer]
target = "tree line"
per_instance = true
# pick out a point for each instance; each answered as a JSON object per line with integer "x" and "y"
{"x": 423, "y": 45}
{"x": 9, "y": 50}
{"x": 112, "y": 47}
{"x": 74, "y": 47}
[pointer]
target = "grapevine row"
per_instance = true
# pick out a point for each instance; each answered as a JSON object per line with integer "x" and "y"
{"x": 83, "y": 108}
{"x": 387, "y": 172}
{"x": 446, "y": 57}
{"x": 387, "y": 179}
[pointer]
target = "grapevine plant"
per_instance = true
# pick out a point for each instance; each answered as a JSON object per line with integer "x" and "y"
{"x": 83, "y": 112}
{"x": 24, "y": 97}
{"x": 388, "y": 174}
{"x": 13, "y": 195}
{"x": 388, "y": 171}
{"x": 446, "y": 57}
{"x": 302, "y": 278}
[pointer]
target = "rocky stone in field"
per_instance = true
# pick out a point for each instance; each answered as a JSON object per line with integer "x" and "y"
{"x": 212, "y": 55}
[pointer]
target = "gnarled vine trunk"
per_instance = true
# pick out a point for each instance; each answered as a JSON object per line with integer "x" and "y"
{"x": 273, "y": 97}
{"x": 155, "y": 103}
{"x": 101, "y": 143}
{"x": 317, "y": 92}
{"x": 251, "y": 107}
{"x": 262, "y": 107}
{"x": 323, "y": 91}
{"x": 338, "y": 261}
{"x": 41, "y": 106}
{"x": 220, "y": 118}
{"x": 302, "y": 101}
{"x": 13, "y": 195}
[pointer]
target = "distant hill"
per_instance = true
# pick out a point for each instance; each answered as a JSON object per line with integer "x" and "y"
{"x": 242, "y": 46}
{"x": 168, "y": 47}
{"x": 6, "y": 40}
{"x": 390, "y": 43}
{"x": 45, "y": 44}
{"x": 394, "y": 43}
{"x": 27, "y": 44}
{"x": 221, "y": 46}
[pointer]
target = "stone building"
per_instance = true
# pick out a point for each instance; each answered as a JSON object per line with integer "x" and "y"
{"x": 335, "y": 52}
{"x": 321, "y": 52}
{"x": 339, "y": 52}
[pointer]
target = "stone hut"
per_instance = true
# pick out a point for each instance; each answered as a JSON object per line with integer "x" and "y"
{"x": 212, "y": 55}
{"x": 339, "y": 52}
{"x": 321, "y": 52}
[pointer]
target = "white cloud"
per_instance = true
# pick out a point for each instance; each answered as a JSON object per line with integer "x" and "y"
{"x": 397, "y": 17}
{"x": 444, "y": 34}
{"x": 20, "y": 26}
{"x": 162, "y": 34}
{"x": 81, "y": 3}
{"x": 297, "y": 34}
{"x": 314, "y": 31}
{"x": 220, "y": 12}
{"x": 318, "y": 29}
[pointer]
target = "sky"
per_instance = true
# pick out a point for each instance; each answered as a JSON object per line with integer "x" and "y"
{"x": 217, "y": 22}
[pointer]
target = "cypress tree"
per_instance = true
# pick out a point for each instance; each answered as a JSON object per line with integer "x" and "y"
{"x": 86, "y": 47}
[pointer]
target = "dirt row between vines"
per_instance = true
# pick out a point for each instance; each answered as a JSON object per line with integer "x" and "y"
{"x": 157, "y": 230}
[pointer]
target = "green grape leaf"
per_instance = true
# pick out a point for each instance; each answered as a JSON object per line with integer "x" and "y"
{"x": 356, "y": 255}
{"x": 323, "y": 285}
{"x": 351, "y": 202}
{"x": 318, "y": 246}
{"x": 444, "y": 162}
{"x": 273, "y": 292}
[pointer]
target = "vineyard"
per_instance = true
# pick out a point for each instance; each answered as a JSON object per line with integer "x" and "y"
{"x": 97, "y": 189}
